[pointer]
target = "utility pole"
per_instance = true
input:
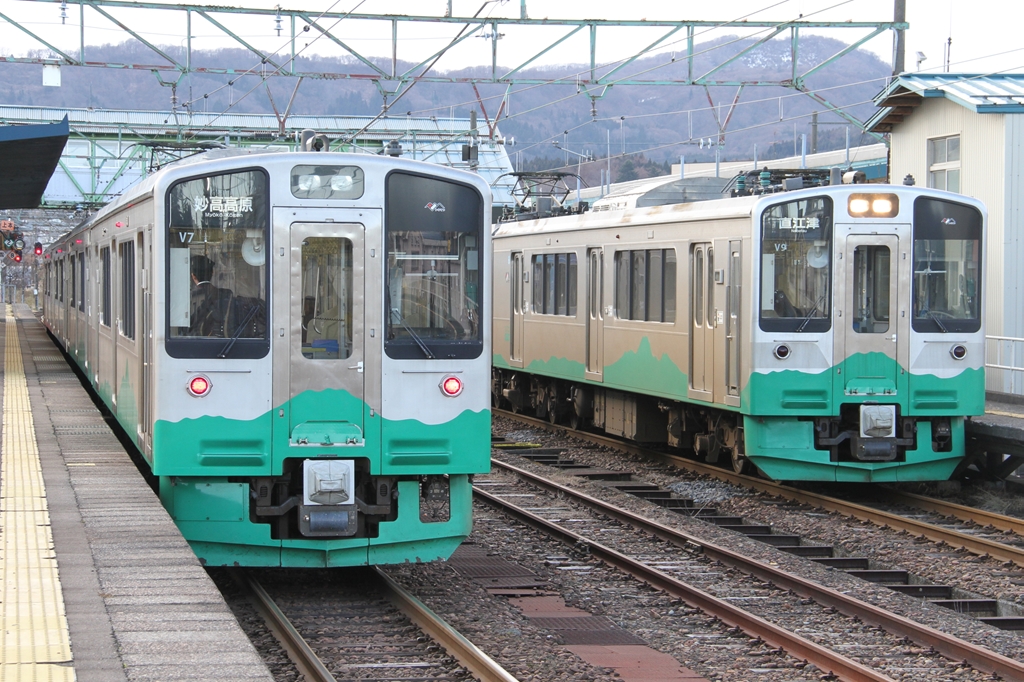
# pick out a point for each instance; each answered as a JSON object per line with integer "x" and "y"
{"x": 814, "y": 132}
{"x": 899, "y": 14}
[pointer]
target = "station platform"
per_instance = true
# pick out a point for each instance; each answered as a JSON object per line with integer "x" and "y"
{"x": 96, "y": 582}
{"x": 1000, "y": 434}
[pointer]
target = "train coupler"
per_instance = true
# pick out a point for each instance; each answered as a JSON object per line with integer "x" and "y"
{"x": 866, "y": 432}
{"x": 324, "y": 498}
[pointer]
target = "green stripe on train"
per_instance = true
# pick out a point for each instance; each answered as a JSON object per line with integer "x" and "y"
{"x": 210, "y": 445}
{"x": 200, "y": 460}
{"x": 638, "y": 371}
{"x": 862, "y": 378}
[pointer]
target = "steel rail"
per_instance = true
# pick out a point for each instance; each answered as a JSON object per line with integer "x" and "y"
{"x": 294, "y": 645}
{"x": 797, "y": 646}
{"x": 956, "y": 539}
{"x": 958, "y": 511}
{"x": 464, "y": 651}
{"x": 952, "y": 647}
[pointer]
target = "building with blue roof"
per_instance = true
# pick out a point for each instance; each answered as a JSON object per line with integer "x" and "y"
{"x": 965, "y": 133}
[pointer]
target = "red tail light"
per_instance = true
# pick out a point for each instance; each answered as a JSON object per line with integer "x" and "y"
{"x": 199, "y": 386}
{"x": 451, "y": 386}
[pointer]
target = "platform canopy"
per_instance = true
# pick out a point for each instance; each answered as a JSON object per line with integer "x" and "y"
{"x": 28, "y": 156}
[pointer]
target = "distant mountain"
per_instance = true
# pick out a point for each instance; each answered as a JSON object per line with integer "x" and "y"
{"x": 653, "y": 120}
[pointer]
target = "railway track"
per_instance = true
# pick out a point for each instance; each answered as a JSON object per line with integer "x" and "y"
{"x": 675, "y": 581}
{"x": 955, "y": 538}
{"x": 999, "y": 528}
{"x": 946, "y": 644}
{"x": 372, "y": 632}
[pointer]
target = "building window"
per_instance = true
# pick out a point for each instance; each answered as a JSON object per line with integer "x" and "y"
{"x": 554, "y": 284}
{"x": 944, "y": 163}
{"x": 645, "y": 285}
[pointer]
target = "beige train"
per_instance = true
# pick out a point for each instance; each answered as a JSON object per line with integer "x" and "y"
{"x": 829, "y": 333}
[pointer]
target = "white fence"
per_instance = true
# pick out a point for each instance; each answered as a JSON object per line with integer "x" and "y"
{"x": 1004, "y": 364}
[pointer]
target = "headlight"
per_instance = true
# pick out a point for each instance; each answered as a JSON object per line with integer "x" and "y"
{"x": 873, "y": 205}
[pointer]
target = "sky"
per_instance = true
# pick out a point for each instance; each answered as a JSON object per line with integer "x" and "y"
{"x": 985, "y": 33}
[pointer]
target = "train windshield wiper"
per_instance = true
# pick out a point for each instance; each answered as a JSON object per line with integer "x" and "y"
{"x": 808, "y": 316}
{"x": 238, "y": 331}
{"x": 397, "y": 315}
{"x": 415, "y": 337}
{"x": 938, "y": 322}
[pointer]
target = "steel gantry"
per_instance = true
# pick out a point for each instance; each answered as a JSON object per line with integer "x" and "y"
{"x": 276, "y": 56}
{"x": 110, "y": 150}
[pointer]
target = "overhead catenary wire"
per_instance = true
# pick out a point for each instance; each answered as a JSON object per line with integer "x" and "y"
{"x": 266, "y": 76}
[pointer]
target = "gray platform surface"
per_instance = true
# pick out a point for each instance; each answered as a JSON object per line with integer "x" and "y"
{"x": 139, "y": 605}
{"x": 1003, "y": 419}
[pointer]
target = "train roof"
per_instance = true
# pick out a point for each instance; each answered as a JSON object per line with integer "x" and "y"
{"x": 733, "y": 207}
{"x": 739, "y": 207}
{"x": 182, "y": 167}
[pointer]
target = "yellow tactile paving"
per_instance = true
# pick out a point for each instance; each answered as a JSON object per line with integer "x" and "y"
{"x": 1001, "y": 413}
{"x": 34, "y": 641}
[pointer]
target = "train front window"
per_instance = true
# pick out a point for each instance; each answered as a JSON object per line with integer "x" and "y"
{"x": 326, "y": 298}
{"x": 947, "y": 267}
{"x": 434, "y": 280}
{"x": 796, "y": 266}
{"x": 217, "y": 276}
{"x": 871, "y": 278}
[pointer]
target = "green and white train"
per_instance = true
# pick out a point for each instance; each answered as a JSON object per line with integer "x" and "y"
{"x": 297, "y": 345}
{"x": 832, "y": 333}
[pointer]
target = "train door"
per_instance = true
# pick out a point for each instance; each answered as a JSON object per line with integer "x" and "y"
{"x": 93, "y": 316}
{"x": 110, "y": 290}
{"x": 144, "y": 333}
{"x": 72, "y": 326}
{"x": 318, "y": 321}
{"x": 65, "y": 302}
{"x": 595, "y": 315}
{"x": 868, "y": 346}
{"x": 517, "y": 305}
{"x": 702, "y": 320}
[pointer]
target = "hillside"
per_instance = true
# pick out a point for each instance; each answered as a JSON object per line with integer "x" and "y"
{"x": 636, "y": 119}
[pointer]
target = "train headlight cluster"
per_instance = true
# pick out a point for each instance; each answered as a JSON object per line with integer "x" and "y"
{"x": 327, "y": 182}
{"x": 451, "y": 386}
{"x": 959, "y": 351}
{"x": 782, "y": 351}
{"x": 873, "y": 205}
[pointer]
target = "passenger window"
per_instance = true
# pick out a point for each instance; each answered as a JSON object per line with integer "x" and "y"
{"x": 554, "y": 284}
{"x": 105, "y": 285}
{"x": 645, "y": 285}
{"x": 698, "y": 292}
{"x": 127, "y": 253}
{"x": 326, "y": 298}
{"x": 81, "y": 282}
